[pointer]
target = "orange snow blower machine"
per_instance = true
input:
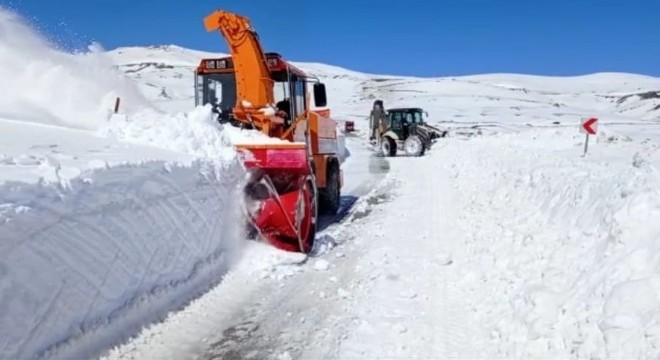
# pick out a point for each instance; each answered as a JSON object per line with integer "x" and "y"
{"x": 295, "y": 171}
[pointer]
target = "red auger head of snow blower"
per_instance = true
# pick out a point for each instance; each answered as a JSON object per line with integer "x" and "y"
{"x": 280, "y": 195}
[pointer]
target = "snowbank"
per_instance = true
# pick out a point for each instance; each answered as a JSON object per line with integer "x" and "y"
{"x": 99, "y": 237}
{"x": 82, "y": 267}
{"x": 561, "y": 251}
{"x": 194, "y": 133}
{"x": 106, "y": 225}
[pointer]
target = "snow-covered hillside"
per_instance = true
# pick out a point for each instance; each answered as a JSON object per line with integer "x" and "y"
{"x": 165, "y": 75}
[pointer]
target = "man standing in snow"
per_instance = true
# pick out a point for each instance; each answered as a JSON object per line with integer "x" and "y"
{"x": 377, "y": 121}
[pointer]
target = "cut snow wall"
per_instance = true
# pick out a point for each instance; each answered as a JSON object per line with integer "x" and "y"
{"x": 566, "y": 248}
{"x": 84, "y": 267}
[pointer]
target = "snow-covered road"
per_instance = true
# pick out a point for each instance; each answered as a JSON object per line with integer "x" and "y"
{"x": 385, "y": 289}
{"x": 363, "y": 170}
{"x": 458, "y": 253}
{"x": 264, "y": 280}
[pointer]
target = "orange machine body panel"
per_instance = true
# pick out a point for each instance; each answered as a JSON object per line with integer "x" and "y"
{"x": 221, "y": 65}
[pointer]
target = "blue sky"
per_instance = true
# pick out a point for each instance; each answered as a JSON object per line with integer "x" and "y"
{"x": 409, "y": 37}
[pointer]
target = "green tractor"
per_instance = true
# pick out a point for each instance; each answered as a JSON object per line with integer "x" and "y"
{"x": 407, "y": 130}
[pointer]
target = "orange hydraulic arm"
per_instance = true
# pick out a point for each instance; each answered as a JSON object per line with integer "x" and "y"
{"x": 253, "y": 83}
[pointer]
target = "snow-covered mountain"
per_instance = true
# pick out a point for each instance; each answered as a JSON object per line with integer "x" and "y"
{"x": 165, "y": 75}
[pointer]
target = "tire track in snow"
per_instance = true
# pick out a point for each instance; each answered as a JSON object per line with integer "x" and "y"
{"x": 431, "y": 189}
{"x": 410, "y": 306}
{"x": 295, "y": 314}
{"x": 454, "y": 314}
{"x": 307, "y": 309}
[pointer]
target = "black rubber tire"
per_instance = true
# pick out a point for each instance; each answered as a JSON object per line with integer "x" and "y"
{"x": 414, "y": 145}
{"x": 330, "y": 196}
{"x": 251, "y": 232}
{"x": 388, "y": 146}
{"x": 311, "y": 236}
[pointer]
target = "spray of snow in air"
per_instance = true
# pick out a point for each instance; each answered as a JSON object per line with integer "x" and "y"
{"x": 45, "y": 85}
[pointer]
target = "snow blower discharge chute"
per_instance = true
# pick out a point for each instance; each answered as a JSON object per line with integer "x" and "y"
{"x": 295, "y": 179}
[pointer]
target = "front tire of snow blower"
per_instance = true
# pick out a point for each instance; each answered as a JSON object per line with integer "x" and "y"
{"x": 330, "y": 196}
{"x": 308, "y": 226}
{"x": 388, "y": 146}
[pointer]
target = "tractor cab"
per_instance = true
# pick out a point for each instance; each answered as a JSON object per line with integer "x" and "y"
{"x": 408, "y": 130}
{"x": 404, "y": 117}
{"x": 215, "y": 84}
{"x": 403, "y": 120}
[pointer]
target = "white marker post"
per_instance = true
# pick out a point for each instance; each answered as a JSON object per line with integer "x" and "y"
{"x": 588, "y": 126}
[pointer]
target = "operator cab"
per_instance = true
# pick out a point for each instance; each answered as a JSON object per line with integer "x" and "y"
{"x": 403, "y": 117}
{"x": 215, "y": 84}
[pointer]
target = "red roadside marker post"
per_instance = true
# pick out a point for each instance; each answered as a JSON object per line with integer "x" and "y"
{"x": 588, "y": 126}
